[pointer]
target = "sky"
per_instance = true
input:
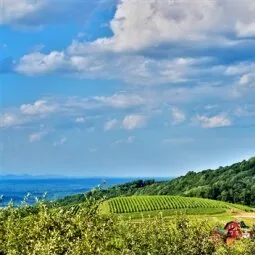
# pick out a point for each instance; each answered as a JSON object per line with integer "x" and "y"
{"x": 125, "y": 87}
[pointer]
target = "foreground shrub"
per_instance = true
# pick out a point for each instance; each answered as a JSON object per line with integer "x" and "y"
{"x": 41, "y": 230}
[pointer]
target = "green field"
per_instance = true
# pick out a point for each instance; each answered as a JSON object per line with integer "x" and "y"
{"x": 167, "y": 206}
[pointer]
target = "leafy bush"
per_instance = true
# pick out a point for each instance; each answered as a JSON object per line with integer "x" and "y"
{"x": 41, "y": 230}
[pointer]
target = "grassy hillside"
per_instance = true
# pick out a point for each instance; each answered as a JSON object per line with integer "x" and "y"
{"x": 172, "y": 204}
{"x": 234, "y": 184}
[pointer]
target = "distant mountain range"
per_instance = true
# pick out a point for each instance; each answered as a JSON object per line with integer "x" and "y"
{"x": 27, "y": 176}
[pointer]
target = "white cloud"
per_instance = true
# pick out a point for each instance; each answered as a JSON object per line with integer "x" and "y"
{"x": 129, "y": 140}
{"x": 240, "y": 69}
{"x": 243, "y": 72}
{"x": 246, "y": 29}
{"x": 40, "y": 107}
{"x": 243, "y": 78}
{"x": 36, "y": 13}
{"x": 135, "y": 69}
{"x": 121, "y": 100}
{"x": 245, "y": 111}
{"x": 138, "y": 24}
{"x": 62, "y": 141}
{"x": 37, "y": 63}
{"x": 111, "y": 124}
{"x": 80, "y": 120}
{"x": 247, "y": 79}
{"x": 178, "y": 115}
{"x": 134, "y": 121}
{"x": 35, "y": 137}
{"x": 211, "y": 106}
{"x": 13, "y": 10}
{"x": 220, "y": 120}
{"x": 10, "y": 120}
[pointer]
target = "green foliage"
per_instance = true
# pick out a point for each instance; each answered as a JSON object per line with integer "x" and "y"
{"x": 46, "y": 231}
{"x": 233, "y": 184}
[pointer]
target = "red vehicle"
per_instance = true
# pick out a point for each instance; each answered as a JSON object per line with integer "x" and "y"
{"x": 233, "y": 231}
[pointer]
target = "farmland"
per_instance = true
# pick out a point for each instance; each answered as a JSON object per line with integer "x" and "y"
{"x": 233, "y": 184}
{"x": 168, "y": 205}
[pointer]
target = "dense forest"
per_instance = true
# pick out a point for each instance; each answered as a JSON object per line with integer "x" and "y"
{"x": 235, "y": 184}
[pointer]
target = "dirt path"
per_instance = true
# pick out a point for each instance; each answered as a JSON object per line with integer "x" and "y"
{"x": 246, "y": 215}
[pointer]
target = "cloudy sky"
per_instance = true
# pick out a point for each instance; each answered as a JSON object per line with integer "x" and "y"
{"x": 126, "y": 87}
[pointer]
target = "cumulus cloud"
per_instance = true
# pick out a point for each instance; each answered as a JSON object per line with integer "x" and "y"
{"x": 243, "y": 77}
{"x": 178, "y": 115}
{"x": 246, "y": 29}
{"x": 97, "y": 60}
{"x": 220, "y": 120}
{"x": 36, "y": 13}
{"x": 8, "y": 120}
{"x": 80, "y": 120}
{"x": 139, "y": 29}
{"x": 247, "y": 80}
{"x": 13, "y": 10}
{"x": 37, "y": 63}
{"x": 111, "y": 124}
{"x": 240, "y": 68}
{"x": 138, "y": 24}
{"x": 134, "y": 121}
{"x": 130, "y": 68}
{"x": 40, "y": 107}
{"x": 35, "y": 137}
{"x": 121, "y": 100}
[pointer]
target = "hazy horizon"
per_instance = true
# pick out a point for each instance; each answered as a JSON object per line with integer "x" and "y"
{"x": 52, "y": 176}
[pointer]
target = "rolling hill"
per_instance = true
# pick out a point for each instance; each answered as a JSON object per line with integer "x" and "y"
{"x": 233, "y": 184}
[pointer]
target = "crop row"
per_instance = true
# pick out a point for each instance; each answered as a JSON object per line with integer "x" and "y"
{"x": 152, "y": 203}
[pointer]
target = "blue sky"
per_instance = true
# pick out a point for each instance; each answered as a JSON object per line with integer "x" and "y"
{"x": 126, "y": 87}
